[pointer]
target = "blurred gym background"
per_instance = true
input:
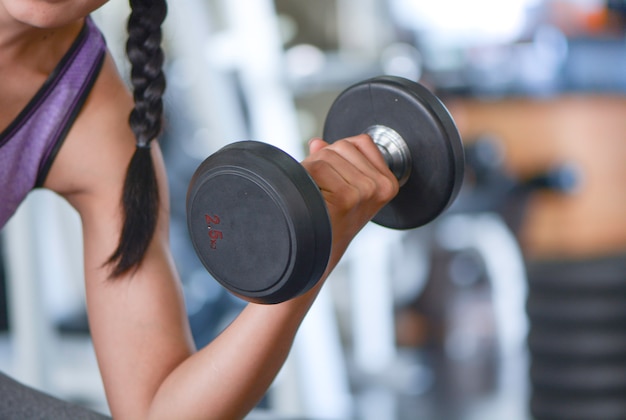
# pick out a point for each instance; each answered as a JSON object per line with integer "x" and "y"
{"x": 511, "y": 305}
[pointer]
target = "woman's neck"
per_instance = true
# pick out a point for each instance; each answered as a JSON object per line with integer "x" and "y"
{"x": 38, "y": 48}
{"x": 27, "y": 57}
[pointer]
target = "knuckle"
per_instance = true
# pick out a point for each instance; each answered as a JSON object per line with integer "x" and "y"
{"x": 387, "y": 189}
{"x": 363, "y": 139}
{"x": 340, "y": 147}
{"x": 392, "y": 187}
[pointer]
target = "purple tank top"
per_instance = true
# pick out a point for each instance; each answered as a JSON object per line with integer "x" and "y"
{"x": 29, "y": 144}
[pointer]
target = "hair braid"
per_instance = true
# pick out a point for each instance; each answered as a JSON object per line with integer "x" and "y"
{"x": 140, "y": 199}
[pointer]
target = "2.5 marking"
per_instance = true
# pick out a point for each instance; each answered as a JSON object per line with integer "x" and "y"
{"x": 214, "y": 234}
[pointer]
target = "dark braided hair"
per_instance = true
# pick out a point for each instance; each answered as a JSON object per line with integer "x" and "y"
{"x": 140, "y": 199}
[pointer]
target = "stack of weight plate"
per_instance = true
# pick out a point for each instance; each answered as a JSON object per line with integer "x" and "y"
{"x": 577, "y": 339}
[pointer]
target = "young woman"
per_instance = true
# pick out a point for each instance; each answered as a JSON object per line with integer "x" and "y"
{"x": 64, "y": 125}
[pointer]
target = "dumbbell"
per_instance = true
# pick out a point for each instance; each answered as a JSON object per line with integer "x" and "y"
{"x": 258, "y": 221}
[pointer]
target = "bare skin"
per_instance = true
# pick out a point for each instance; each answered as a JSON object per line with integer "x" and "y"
{"x": 139, "y": 327}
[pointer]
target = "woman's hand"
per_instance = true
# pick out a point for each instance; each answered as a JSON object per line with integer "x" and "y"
{"x": 355, "y": 182}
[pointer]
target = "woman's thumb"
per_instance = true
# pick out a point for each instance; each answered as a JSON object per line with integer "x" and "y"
{"x": 316, "y": 144}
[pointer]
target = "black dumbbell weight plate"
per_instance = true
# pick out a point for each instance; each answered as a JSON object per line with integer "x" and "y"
{"x": 424, "y": 123}
{"x": 258, "y": 222}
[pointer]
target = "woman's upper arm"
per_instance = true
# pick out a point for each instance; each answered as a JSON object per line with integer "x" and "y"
{"x": 138, "y": 321}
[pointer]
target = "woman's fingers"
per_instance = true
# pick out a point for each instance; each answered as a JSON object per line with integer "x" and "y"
{"x": 359, "y": 164}
{"x": 354, "y": 179}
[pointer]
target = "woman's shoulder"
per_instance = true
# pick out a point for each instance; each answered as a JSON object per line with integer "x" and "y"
{"x": 100, "y": 143}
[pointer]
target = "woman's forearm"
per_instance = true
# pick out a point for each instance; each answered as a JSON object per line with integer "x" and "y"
{"x": 227, "y": 378}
